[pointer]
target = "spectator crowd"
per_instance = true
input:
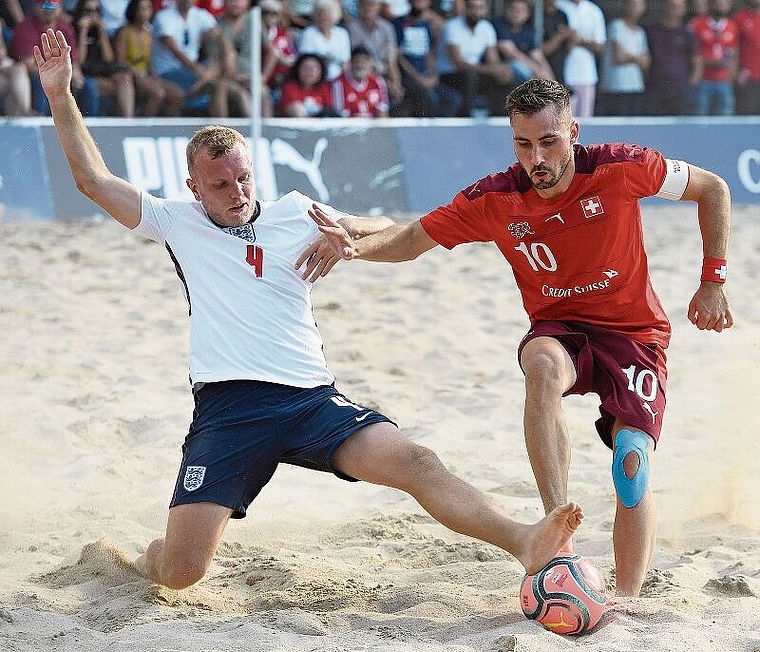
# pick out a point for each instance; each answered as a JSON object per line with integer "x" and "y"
{"x": 380, "y": 58}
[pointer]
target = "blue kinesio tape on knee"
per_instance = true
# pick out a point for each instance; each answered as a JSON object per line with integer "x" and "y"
{"x": 630, "y": 490}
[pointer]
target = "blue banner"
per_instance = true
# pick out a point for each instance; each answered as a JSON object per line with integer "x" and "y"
{"x": 360, "y": 166}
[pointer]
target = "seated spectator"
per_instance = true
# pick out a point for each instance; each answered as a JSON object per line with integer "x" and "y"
{"x": 279, "y": 51}
{"x": 327, "y": 39}
{"x": 360, "y": 92}
{"x": 718, "y": 39}
{"x": 15, "y": 86}
{"x": 424, "y": 95}
{"x": 748, "y": 78}
{"x": 236, "y": 25}
{"x": 516, "y": 40}
{"x": 96, "y": 57}
{"x": 180, "y": 32}
{"x": 373, "y": 32}
{"x": 468, "y": 61}
{"x": 133, "y": 44}
{"x": 625, "y": 64}
{"x": 48, "y": 15}
{"x": 676, "y": 67}
{"x": 556, "y": 37}
{"x": 306, "y": 93}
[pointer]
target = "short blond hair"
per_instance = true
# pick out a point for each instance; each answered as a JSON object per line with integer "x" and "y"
{"x": 214, "y": 139}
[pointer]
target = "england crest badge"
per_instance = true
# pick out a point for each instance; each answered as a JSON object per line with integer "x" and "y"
{"x": 194, "y": 477}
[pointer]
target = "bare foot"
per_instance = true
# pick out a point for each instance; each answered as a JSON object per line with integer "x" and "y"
{"x": 550, "y": 535}
{"x": 141, "y": 564}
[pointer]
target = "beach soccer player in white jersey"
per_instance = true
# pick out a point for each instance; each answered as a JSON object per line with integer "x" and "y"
{"x": 567, "y": 219}
{"x": 263, "y": 392}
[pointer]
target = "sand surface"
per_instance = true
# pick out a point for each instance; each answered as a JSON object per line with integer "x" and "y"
{"x": 95, "y": 403}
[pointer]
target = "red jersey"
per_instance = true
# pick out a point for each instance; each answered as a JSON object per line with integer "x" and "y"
{"x": 215, "y": 7}
{"x": 314, "y": 99}
{"x": 748, "y": 21}
{"x": 365, "y": 99}
{"x": 717, "y": 39}
{"x": 282, "y": 43}
{"x": 577, "y": 257}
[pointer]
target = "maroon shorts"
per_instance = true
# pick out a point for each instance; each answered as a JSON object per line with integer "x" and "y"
{"x": 628, "y": 376}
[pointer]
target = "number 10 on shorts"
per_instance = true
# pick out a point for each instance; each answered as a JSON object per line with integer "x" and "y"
{"x": 638, "y": 379}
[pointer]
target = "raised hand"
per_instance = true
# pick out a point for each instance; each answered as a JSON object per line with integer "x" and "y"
{"x": 54, "y": 63}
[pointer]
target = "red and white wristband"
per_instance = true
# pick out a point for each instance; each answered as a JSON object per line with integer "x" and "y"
{"x": 714, "y": 270}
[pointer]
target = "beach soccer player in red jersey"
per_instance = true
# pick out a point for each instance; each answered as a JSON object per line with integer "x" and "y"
{"x": 567, "y": 219}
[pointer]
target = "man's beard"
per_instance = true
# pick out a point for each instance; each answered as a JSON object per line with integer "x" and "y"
{"x": 545, "y": 185}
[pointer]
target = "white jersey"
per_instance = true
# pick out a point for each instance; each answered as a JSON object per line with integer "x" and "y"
{"x": 250, "y": 310}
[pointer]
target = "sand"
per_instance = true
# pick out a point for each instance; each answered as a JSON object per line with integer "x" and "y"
{"x": 95, "y": 404}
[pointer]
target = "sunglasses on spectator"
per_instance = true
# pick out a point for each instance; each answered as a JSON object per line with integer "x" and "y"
{"x": 91, "y": 10}
{"x": 186, "y": 37}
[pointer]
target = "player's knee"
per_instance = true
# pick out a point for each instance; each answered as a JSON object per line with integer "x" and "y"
{"x": 544, "y": 369}
{"x": 630, "y": 466}
{"x": 182, "y": 573}
{"x": 417, "y": 464}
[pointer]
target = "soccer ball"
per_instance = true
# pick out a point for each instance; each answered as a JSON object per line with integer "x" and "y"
{"x": 567, "y": 596}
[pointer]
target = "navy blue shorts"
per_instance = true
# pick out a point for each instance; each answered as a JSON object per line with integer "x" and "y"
{"x": 628, "y": 376}
{"x": 242, "y": 429}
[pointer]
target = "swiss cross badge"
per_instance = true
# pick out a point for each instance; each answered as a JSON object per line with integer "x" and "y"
{"x": 592, "y": 206}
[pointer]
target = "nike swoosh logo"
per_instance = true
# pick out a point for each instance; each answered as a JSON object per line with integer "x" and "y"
{"x": 362, "y": 417}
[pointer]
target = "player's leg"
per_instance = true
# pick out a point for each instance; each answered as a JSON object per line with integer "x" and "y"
{"x": 230, "y": 453}
{"x": 632, "y": 389}
{"x": 182, "y": 557}
{"x": 636, "y": 514}
{"x": 380, "y": 454}
{"x": 549, "y": 373}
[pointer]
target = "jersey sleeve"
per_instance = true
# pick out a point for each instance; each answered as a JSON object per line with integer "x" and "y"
{"x": 154, "y": 219}
{"x": 456, "y": 223}
{"x": 646, "y": 171}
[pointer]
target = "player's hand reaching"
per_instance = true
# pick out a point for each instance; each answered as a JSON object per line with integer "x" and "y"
{"x": 54, "y": 63}
{"x": 709, "y": 309}
{"x": 320, "y": 257}
{"x": 338, "y": 238}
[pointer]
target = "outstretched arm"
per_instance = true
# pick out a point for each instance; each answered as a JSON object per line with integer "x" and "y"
{"x": 113, "y": 194}
{"x": 321, "y": 255}
{"x": 374, "y": 239}
{"x": 709, "y": 309}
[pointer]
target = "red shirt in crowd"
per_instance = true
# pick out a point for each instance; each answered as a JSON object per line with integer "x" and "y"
{"x": 367, "y": 98}
{"x": 314, "y": 99}
{"x": 748, "y": 21}
{"x": 716, "y": 40}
